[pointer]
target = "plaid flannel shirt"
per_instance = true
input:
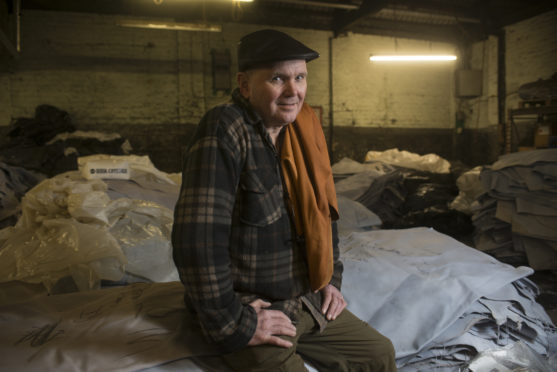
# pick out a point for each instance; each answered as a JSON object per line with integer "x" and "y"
{"x": 232, "y": 236}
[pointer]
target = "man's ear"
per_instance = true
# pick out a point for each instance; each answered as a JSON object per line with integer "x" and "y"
{"x": 243, "y": 83}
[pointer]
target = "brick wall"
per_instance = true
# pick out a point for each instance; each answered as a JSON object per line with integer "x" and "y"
{"x": 391, "y": 95}
{"x": 102, "y": 73}
{"x": 117, "y": 78}
{"x": 531, "y": 52}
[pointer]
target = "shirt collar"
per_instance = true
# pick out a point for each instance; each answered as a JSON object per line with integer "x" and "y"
{"x": 252, "y": 117}
{"x": 241, "y": 101}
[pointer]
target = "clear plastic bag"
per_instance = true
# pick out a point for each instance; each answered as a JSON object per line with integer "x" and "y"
{"x": 70, "y": 228}
{"x": 517, "y": 357}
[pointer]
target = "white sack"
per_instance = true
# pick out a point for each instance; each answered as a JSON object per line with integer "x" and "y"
{"x": 470, "y": 188}
{"x": 429, "y": 163}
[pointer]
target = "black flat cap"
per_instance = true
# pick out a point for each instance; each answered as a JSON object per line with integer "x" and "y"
{"x": 267, "y": 46}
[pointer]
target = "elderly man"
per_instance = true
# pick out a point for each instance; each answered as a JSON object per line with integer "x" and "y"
{"x": 254, "y": 237}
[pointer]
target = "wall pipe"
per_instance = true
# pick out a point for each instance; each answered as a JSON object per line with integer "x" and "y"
{"x": 6, "y": 40}
{"x": 502, "y": 89}
{"x": 18, "y": 25}
{"x": 331, "y": 101}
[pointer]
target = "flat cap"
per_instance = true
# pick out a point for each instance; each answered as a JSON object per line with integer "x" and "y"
{"x": 267, "y": 46}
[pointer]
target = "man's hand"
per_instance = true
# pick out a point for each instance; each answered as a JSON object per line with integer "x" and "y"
{"x": 333, "y": 302}
{"x": 270, "y": 324}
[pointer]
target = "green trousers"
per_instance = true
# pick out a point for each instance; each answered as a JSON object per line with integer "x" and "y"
{"x": 346, "y": 344}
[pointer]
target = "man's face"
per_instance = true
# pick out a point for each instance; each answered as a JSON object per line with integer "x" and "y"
{"x": 276, "y": 92}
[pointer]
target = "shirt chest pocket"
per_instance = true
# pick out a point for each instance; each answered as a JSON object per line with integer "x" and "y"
{"x": 261, "y": 201}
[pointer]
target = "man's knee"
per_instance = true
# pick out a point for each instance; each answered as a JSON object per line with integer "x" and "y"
{"x": 379, "y": 354}
{"x": 383, "y": 347}
{"x": 264, "y": 358}
{"x": 382, "y": 356}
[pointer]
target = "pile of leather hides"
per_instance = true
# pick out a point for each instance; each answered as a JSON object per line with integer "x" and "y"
{"x": 517, "y": 216}
{"x": 377, "y": 186}
{"x": 439, "y": 301}
{"x": 406, "y": 197}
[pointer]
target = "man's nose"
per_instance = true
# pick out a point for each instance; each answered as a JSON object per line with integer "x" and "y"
{"x": 290, "y": 88}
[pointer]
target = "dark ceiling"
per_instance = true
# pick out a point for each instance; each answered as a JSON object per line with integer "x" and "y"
{"x": 457, "y": 21}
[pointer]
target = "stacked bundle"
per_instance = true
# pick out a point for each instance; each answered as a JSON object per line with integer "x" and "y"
{"x": 496, "y": 322}
{"x": 403, "y": 193}
{"x": 439, "y": 301}
{"x": 376, "y": 185}
{"x": 518, "y": 214}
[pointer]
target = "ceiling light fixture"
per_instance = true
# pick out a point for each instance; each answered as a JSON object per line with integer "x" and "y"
{"x": 411, "y": 58}
{"x": 174, "y": 26}
{"x": 159, "y": 2}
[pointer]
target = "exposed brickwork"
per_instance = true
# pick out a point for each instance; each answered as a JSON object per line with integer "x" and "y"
{"x": 533, "y": 54}
{"x": 157, "y": 83}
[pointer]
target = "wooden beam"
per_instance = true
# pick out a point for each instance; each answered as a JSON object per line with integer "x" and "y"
{"x": 455, "y": 34}
{"x": 451, "y": 8}
{"x": 368, "y": 7}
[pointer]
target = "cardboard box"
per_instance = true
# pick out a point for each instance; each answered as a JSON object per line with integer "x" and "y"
{"x": 546, "y": 135}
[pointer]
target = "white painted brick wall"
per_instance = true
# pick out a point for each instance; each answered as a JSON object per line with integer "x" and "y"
{"x": 391, "y": 94}
{"x": 102, "y": 73}
{"x": 531, "y": 52}
{"x": 95, "y": 70}
{"x": 482, "y": 112}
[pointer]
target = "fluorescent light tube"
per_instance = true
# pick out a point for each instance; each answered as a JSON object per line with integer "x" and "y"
{"x": 175, "y": 26}
{"x": 402, "y": 58}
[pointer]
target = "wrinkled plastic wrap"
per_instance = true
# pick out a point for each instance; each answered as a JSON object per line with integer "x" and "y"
{"x": 517, "y": 357}
{"x": 470, "y": 188}
{"x": 143, "y": 232}
{"x": 429, "y": 162}
{"x": 71, "y": 228}
{"x": 58, "y": 235}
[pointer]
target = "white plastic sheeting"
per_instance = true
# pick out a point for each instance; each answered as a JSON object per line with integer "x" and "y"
{"x": 470, "y": 188}
{"x": 429, "y": 162}
{"x": 70, "y": 227}
{"x": 514, "y": 357}
{"x": 58, "y": 236}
